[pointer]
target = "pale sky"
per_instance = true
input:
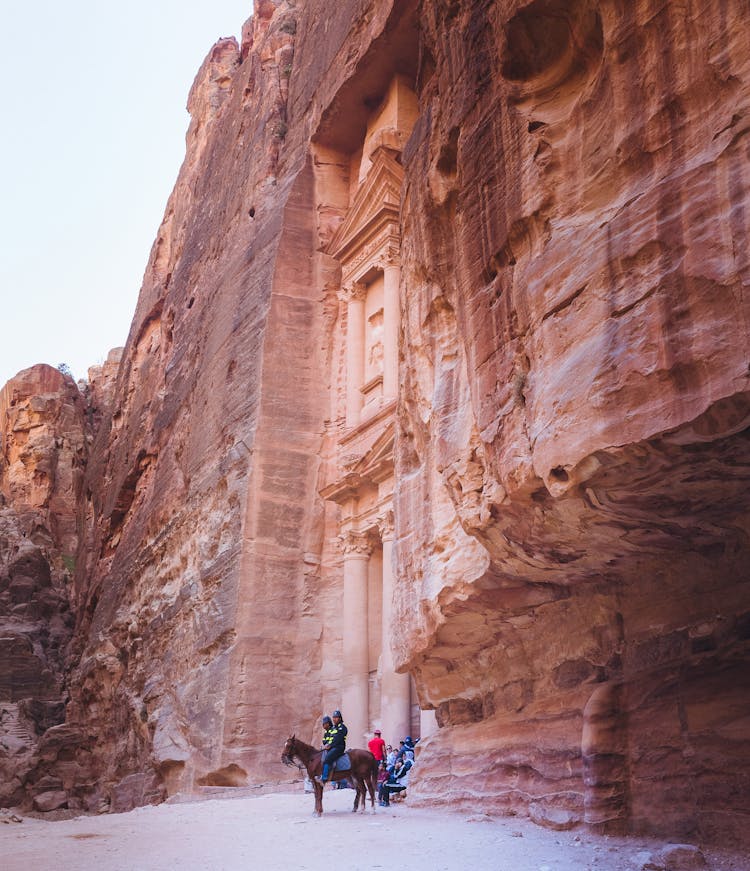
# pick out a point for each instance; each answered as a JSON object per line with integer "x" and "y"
{"x": 93, "y": 135}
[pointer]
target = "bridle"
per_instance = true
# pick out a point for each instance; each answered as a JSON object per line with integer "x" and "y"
{"x": 288, "y": 758}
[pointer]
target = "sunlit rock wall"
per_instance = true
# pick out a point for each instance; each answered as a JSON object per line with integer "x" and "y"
{"x": 572, "y": 509}
{"x": 572, "y": 462}
{"x": 200, "y": 612}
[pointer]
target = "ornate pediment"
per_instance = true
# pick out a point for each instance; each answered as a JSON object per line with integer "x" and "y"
{"x": 375, "y": 210}
{"x": 374, "y": 466}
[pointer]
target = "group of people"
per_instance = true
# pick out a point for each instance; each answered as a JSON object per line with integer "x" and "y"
{"x": 334, "y": 744}
{"x": 393, "y": 765}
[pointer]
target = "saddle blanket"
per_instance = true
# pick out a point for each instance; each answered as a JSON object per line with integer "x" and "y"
{"x": 343, "y": 763}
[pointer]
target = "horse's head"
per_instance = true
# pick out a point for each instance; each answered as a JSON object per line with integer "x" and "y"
{"x": 290, "y": 748}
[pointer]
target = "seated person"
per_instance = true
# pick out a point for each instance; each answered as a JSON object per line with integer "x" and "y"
{"x": 397, "y": 782}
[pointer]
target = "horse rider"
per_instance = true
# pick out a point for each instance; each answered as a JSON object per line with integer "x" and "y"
{"x": 336, "y": 748}
{"x": 327, "y": 736}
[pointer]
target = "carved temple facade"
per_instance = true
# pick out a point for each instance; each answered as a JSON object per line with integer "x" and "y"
{"x": 365, "y": 250}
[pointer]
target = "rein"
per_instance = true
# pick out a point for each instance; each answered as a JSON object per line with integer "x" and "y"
{"x": 302, "y": 764}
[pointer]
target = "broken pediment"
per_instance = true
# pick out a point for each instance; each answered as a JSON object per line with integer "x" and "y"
{"x": 374, "y": 466}
{"x": 375, "y": 209}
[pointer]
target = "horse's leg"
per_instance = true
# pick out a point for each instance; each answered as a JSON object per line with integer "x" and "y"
{"x": 318, "y": 799}
{"x": 371, "y": 789}
{"x": 362, "y": 793}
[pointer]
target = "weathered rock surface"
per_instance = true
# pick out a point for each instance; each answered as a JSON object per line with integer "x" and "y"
{"x": 43, "y": 435}
{"x": 572, "y": 459}
{"x": 573, "y": 453}
{"x": 676, "y": 857}
{"x": 194, "y": 597}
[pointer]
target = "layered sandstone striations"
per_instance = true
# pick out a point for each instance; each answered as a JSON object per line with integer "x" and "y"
{"x": 573, "y": 448}
{"x": 570, "y": 582}
{"x": 43, "y": 435}
{"x": 202, "y": 482}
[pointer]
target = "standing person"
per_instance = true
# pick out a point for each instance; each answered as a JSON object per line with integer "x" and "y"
{"x": 382, "y": 778}
{"x": 376, "y": 746}
{"x": 338, "y": 733}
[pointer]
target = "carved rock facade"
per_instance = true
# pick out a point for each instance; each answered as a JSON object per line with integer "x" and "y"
{"x": 435, "y": 408}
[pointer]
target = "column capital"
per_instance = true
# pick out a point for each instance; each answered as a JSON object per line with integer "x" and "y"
{"x": 390, "y": 255}
{"x": 353, "y": 291}
{"x": 386, "y": 524}
{"x": 354, "y": 543}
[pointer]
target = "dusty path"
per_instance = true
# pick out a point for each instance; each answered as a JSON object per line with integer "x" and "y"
{"x": 275, "y": 832}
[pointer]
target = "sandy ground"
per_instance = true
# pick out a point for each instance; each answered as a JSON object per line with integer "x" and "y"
{"x": 277, "y": 831}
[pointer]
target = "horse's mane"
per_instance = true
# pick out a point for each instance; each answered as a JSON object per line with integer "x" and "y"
{"x": 302, "y": 746}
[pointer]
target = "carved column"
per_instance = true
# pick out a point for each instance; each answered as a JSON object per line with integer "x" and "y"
{"x": 355, "y": 350}
{"x": 395, "y": 704}
{"x": 391, "y": 316}
{"x": 355, "y": 695}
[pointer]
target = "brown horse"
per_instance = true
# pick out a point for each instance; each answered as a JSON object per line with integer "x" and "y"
{"x": 364, "y": 771}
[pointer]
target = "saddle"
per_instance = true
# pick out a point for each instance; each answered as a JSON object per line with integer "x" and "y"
{"x": 343, "y": 763}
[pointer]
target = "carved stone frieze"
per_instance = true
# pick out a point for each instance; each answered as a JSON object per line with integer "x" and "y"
{"x": 383, "y": 250}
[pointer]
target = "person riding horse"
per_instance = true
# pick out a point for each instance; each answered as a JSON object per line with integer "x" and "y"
{"x": 327, "y": 736}
{"x": 336, "y": 748}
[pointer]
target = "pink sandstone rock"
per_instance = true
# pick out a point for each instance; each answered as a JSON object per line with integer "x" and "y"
{"x": 574, "y": 410}
{"x": 50, "y": 801}
{"x": 562, "y": 478}
{"x": 43, "y": 436}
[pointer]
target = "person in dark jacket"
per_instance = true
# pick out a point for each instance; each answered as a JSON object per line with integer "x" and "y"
{"x": 337, "y": 747}
{"x": 327, "y": 736}
{"x": 397, "y": 782}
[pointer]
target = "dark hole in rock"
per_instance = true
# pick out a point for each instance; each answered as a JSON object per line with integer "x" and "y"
{"x": 190, "y": 302}
{"x": 447, "y": 164}
{"x": 559, "y": 474}
{"x": 548, "y": 34}
{"x": 251, "y": 211}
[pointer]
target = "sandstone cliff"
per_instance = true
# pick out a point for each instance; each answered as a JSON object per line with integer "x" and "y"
{"x": 42, "y": 459}
{"x": 574, "y": 412}
{"x": 570, "y": 435}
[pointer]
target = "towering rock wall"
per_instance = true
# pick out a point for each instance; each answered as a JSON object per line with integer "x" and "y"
{"x": 573, "y": 452}
{"x": 571, "y": 554}
{"x": 203, "y": 623}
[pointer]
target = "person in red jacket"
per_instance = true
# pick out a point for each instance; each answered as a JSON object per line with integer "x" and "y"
{"x": 376, "y": 746}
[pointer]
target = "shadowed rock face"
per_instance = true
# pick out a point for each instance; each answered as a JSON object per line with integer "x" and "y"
{"x": 573, "y": 453}
{"x": 572, "y": 457}
{"x": 43, "y": 435}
